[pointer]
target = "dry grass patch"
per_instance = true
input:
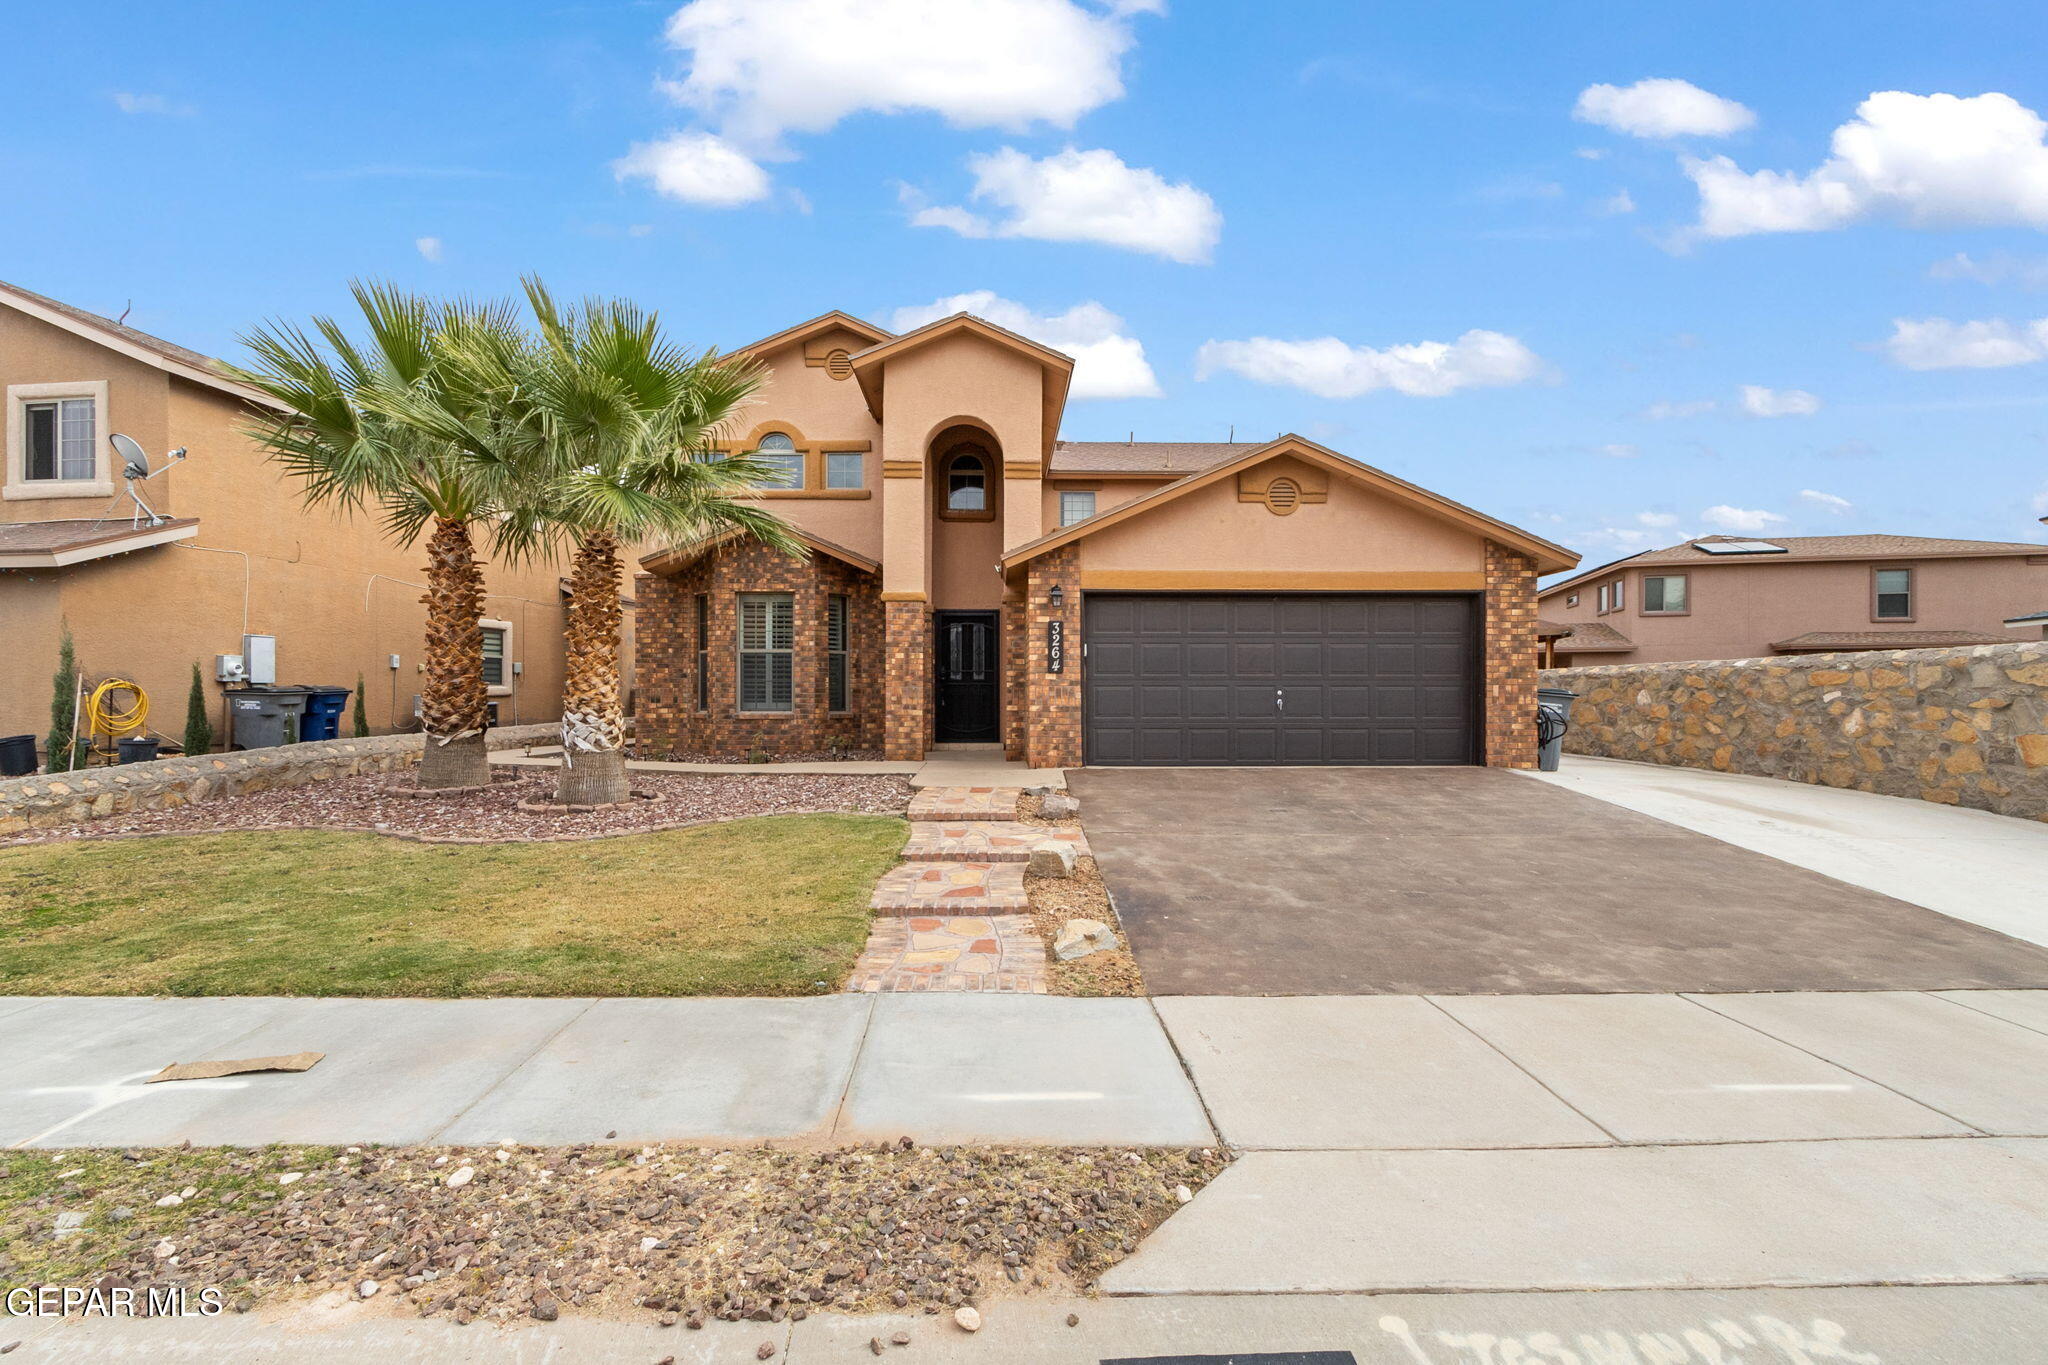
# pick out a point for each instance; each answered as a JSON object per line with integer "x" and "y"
{"x": 767, "y": 906}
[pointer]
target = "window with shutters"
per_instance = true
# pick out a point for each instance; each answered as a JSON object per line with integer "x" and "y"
{"x": 836, "y": 627}
{"x": 767, "y": 646}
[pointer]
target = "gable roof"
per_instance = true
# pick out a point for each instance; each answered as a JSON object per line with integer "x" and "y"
{"x": 682, "y": 556}
{"x": 834, "y": 321}
{"x": 1549, "y": 557}
{"x": 154, "y": 351}
{"x": 1169, "y": 458}
{"x": 1811, "y": 549}
{"x": 1058, "y": 366}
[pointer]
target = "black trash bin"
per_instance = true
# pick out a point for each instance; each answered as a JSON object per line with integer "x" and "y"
{"x": 265, "y": 717}
{"x": 17, "y": 755}
{"x": 140, "y": 749}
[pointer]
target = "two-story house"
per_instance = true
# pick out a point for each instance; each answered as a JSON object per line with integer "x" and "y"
{"x": 232, "y": 550}
{"x": 1737, "y": 597}
{"x": 977, "y": 580}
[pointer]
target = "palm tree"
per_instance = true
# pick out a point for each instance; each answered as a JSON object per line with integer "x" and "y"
{"x": 365, "y": 424}
{"x": 617, "y": 431}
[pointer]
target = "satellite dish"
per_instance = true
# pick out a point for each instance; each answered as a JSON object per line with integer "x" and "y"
{"x": 137, "y": 463}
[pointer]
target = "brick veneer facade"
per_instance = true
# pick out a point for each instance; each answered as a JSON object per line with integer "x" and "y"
{"x": 1510, "y": 658}
{"x": 666, "y": 715}
{"x": 1052, "y": 701}
{"x": 907, "y": 680}
{"x": 1013, "y": 676}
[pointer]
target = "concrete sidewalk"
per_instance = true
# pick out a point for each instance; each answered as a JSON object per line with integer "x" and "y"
{"x": 1968, "y": 864}
{"x": 936, "y": 1068}
{"x": 2007, "y": 1324}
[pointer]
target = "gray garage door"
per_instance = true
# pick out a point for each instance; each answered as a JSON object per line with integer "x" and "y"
{"x": 1291, "y": 678}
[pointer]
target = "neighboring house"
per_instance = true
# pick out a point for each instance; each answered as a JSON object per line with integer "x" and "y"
{"x": 974, "y": 579}
{"x": 1736, "y": 597}
{"x": 235, "y": 554}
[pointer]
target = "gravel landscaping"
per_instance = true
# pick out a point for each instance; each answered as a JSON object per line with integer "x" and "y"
{"x": 377, "y": 803}
{"x": 743, "y": 757}
{"x": 681, "y": 1234}
{"x": 1055, "y": 900}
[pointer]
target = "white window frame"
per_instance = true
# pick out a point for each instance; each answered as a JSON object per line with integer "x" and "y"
{"x": 501, "y": 689}
{"x": 1066, "y": 493}
{"x": 860, "y": 459}
{"x": 17, "y": 485}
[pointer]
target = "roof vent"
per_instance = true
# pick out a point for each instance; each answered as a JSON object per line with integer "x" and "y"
{"x": 839, "y": 364}
{"x": 1282, "y": 496}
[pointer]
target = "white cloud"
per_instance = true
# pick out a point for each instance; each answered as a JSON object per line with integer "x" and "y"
{"x": 1621, "y": 201}
{"x": 758, "y": 69}
{"x": 1618, "y": 450}
{"x": 1989, "y": 344}
{"x": 1661, "y": 108}
{"x": 1331, "y": 368}
{"x": 2027, "y": 272}
{"x": 1759, "y": 401}
{"x": 1749, "y": 519}
{"x": 1922, "y": 160}
{"x": 1108, "y": 363}
{"x": 1665, "y": 409}
{"x": 132, "y": 102}
{"x": 697, "y": 168}
{"x": 1657, "y": 518}
{"x": 1590, "y": 153}
{"x": 1826, "y": 501}
{"x": 428, "y": 247}
{"x": 1077, "y": 196}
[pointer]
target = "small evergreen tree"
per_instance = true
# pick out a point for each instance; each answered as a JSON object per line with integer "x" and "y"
{"x": 362, "y": 717}
{"x": 198, "y": 729}
{"x": 63, "y": 743}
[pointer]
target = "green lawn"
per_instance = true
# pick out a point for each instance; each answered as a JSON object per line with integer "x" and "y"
{"x": 768, "y": 906}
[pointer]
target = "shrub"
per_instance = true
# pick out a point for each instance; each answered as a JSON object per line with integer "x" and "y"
{"x": 62, "y": 747}
{"x": 198, "y": 729}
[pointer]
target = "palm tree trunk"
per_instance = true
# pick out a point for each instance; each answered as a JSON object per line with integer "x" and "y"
{"x": 452, "y": 695}
{"x": 593, "y": 714}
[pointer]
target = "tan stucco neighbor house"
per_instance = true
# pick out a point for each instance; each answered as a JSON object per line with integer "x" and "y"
{"x": 976, "y": 580}
{"x": 1748, "y": 597}
{"x": 236, "y": 554}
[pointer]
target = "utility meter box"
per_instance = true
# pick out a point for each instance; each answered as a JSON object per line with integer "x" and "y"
{"x": 259, "y": 659}
{"x": 227, "y": 668}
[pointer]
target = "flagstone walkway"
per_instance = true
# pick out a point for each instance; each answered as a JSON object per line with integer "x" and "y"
{"x": 953, "y": 915}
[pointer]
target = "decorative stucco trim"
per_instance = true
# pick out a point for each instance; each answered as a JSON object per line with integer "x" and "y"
{"x": 18, "y": 487}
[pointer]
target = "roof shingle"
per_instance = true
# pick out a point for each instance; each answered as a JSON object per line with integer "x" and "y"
{"x": 1821, "y": 641}
{"x": 1144, "y": 457}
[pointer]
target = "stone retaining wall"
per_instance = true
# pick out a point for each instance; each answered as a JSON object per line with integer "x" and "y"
{"x": 47, "y": 800}
{"x": 1965, "y": 727}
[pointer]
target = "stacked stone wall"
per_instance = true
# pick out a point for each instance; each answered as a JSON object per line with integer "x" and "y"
{"x": 1964, "y": 727}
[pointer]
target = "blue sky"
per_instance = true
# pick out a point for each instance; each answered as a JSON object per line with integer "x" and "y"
{"x": 1279, "y": 215}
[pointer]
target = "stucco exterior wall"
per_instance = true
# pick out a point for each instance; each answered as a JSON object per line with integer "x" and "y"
{"x": 1356, "y": 532}
{"x": 1737, "y": 611}
{"x": 1962, "y": 727}
{"x": 828, "y": 412}
{"x": 1109, "y": 493}
{"x": 338, "y": 596}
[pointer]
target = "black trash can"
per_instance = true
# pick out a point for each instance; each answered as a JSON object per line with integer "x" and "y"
{"x": 1553, "y": 720}
{"x": 17, "y": 755}
{"x": 140, "y": 749}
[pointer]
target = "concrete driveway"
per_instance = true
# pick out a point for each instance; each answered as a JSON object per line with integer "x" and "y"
{"x": 1366, "y": 881}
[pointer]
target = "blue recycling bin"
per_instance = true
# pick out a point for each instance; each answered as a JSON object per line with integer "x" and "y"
{"x": 324, "y": 706}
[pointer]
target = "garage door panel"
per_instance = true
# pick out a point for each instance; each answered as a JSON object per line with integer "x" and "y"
{"x": 1365, "y": 678}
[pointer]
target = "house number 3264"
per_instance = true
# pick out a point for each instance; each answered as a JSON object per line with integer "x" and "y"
{"x": 1055, "y": 646}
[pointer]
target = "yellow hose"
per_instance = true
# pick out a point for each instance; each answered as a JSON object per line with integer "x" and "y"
{"x": 104, "y": 719}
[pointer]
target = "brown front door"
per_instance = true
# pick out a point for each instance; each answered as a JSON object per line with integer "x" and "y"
{"x": 964, "y": 692}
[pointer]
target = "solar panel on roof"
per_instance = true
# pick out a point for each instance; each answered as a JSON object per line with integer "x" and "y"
{"x": 1738, "y": 547}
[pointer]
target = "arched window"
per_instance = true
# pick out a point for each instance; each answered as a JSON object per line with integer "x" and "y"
{"x": 779, "y": 450}
{"x": 966, "y": 483}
